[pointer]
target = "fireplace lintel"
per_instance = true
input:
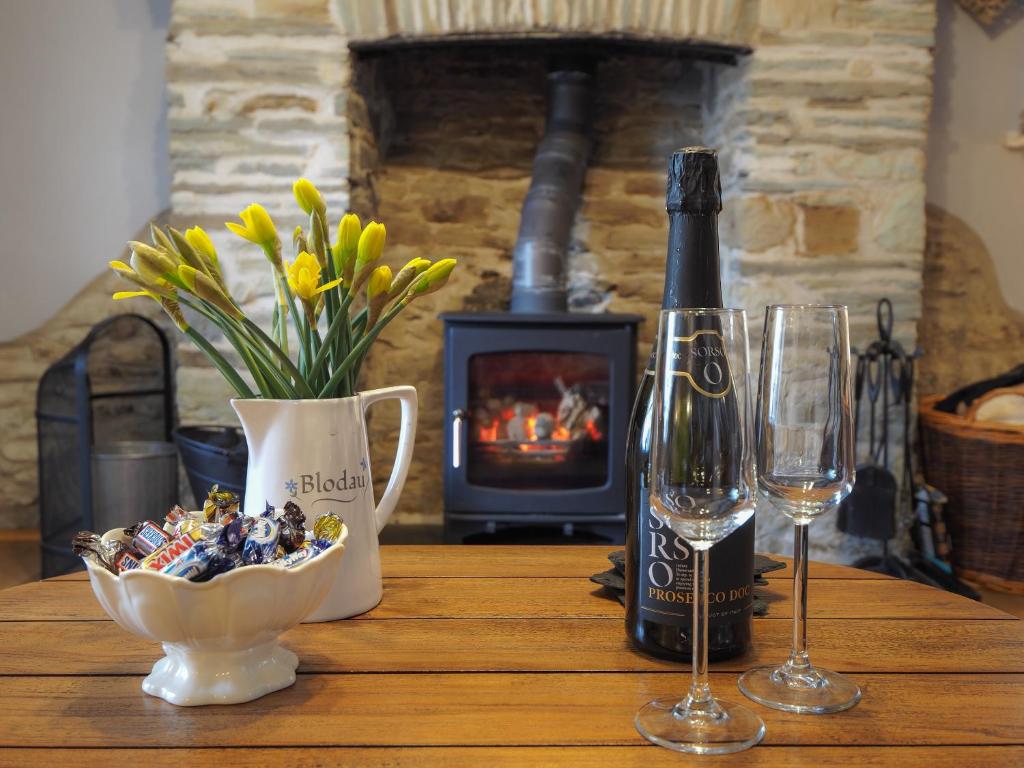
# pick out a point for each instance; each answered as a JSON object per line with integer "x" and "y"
{"x": 598, "y": 45}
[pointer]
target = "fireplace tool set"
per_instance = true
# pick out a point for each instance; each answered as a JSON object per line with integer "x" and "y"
{"x": 884, "y": 378}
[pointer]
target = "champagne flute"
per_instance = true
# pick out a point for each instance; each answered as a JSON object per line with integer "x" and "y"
{"x": 702, "y": 486}
{"x": 805, "y": 460}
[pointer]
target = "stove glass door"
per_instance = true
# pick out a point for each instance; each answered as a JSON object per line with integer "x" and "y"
{"x": 538, "y": 420}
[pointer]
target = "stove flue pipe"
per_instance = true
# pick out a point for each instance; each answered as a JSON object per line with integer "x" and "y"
{"x": 540, "y": 255}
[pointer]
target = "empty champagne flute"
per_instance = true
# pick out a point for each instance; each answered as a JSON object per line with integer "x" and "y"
{"x": 805, "y": 464}
{"x": 702, "y": 486}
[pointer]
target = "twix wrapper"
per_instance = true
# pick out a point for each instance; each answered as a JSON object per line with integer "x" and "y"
{"x": 176, "y": 547}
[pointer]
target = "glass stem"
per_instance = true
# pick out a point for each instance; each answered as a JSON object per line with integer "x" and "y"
{"x": 798, "y": 658}
{"x": 700, "y": 699}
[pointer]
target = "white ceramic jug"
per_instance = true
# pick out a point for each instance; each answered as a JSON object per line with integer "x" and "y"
{"x": 315, "y": 453}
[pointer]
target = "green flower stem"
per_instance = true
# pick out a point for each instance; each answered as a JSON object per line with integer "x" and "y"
{"x": 342, "y": 370}
{"x": 359, "y": 324}
{"x": 283, "y": 387}
{"x": 269, "y": 380}
{"x": 296, "y": 320}
{"x": 266, "y": 390}
{"x": 346, "y": 339}
{"x": 221, "y": 364}
{"x": 280, "y": 328}
{"x": 287, "y": 366}
{"x": 334, "y": 331}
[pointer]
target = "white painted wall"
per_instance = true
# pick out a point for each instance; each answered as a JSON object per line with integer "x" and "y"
{"x": 979, "y": 95}
{"x": 83, "y": 144}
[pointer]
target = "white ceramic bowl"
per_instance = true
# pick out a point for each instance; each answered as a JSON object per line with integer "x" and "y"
{"x": 220, "y": 636}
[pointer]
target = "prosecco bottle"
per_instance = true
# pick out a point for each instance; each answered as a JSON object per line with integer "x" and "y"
{"x": 659, "y": 573}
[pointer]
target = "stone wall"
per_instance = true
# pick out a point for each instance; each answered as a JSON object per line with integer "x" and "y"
{"x": 822, "y": 129}
{"x": 968, "y": 332}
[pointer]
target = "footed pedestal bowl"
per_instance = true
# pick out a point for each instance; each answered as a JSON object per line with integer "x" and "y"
{"x": 220, "y": 636}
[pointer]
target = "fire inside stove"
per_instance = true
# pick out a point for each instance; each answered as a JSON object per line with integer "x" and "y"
{"x": 538, "y": 419}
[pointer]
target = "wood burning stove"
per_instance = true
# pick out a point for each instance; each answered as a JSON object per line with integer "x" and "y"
{"x": 537, "y": 409}
{"x": 538, "y": 398}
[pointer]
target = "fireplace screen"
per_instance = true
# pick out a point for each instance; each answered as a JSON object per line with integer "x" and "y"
{"x": 538, "y": 420}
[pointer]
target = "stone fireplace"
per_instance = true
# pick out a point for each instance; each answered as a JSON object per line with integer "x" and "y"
{"x": 425, "y": 114}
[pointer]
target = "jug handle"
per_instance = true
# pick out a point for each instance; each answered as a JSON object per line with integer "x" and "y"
{"x": 406, "y": 395}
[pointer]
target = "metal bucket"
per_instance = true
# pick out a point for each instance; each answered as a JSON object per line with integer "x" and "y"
{"x": 213, "y": 456}
{"x": 133, "y": 480}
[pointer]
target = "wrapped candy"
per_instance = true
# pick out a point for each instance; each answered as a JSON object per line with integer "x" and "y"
{"x": 88, "y": 544}
{"x": 201, "y": 545}
{"x": 261, "y": 544}
{"x": 328, "y": 527}
{"x": 219, "y": 504}
{"x": 149, "y": 537}
{"x": 293, "y": 531}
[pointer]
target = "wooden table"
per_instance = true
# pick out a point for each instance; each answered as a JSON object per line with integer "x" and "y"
{"x": 508, "y": 656}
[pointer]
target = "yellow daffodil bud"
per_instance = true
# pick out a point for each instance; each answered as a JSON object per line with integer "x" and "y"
{"x": 369, "y": 250}
{"x": 124, "y": 271}
{"x": 186, "y": 253}
{"x": 257, "y": 227}
{"x": 432, "y": 280}
{"x": 202, "y": 244}
{"x": 344, "y": 250}
{"x": 160, "y": 238}
{"x": 377, "y": 288}
{"x": 204, "y": 286}
{"x": 149, "y": 263}
{"x": 308, "y": 197}
{"x": 379, "y": 282}
{"x": 406, "y": 275}
{"x": 371, "y": 244}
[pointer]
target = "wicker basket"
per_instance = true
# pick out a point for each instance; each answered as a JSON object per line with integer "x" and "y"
{"x": 980, "y": 467}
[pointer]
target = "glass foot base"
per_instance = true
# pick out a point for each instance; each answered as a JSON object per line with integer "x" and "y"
{"x": 810, "y": 691}
{"x": 717, "y": 730}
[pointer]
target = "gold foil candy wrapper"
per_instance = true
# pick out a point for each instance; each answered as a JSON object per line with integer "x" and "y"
{"x": 219, "y": 503}
{"x": 328, "y": 527}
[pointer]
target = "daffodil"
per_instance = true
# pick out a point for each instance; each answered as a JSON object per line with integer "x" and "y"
{"x": 170, "y": 305}
{"x": 406, "y": 275}
{"x": 377, "y": 289}
{"x": 257, "y": 227}
{"x": 151, "y": 264}
{"x": 304, "y": 278}
{"x": 203, "y": 245}
{"x": 160, "y": 287}
{"x": 344, "y": 250}
{"x": 206, "y": 288}
{"x": 369, "y": 250}
{"x": 379, "y": 283}
{"x": 308, "y": 197}
{"x": 433, "y": 279}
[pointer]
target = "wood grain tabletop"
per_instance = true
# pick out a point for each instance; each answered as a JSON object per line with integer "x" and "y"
{"x": 509, "y": 656}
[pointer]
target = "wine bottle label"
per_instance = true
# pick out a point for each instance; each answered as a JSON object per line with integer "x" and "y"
{"x": 665, "y": 571}
{"x": 700, "y": 359}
